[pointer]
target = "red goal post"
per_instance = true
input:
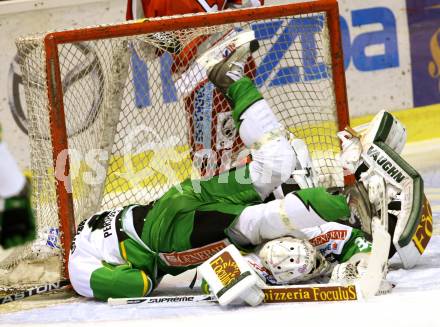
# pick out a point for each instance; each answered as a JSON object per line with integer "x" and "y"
{"x": 56, "y": 97}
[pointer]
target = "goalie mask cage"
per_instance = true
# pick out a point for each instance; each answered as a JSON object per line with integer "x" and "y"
{"x": 111, "y": 123}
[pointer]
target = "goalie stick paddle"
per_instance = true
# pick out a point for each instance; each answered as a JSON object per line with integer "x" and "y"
{"x": 163, "y": 300}
{"x": 34, "y": 290}
{"x": 377, "y": 265}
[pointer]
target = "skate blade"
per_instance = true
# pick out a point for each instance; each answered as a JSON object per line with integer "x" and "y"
{"x": 220, "y": 51}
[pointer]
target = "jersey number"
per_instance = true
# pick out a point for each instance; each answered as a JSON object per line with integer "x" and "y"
{"x": 362, "y": 244}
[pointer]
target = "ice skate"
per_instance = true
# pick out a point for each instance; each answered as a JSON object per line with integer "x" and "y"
{"x": 225, "y": 62}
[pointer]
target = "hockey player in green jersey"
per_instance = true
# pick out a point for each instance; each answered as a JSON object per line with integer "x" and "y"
{"x": 126, "y": 251}
{"x": 17, "y": 224}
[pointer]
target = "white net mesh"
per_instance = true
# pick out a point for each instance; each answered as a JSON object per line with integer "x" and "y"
{"x": 133, "y": 133}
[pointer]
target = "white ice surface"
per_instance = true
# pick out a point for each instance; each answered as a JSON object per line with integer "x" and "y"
{"x": 415, "y": 301}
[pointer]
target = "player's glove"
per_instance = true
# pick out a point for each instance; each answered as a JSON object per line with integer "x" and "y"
{"x": 345, "y": 273}
{"x": 350, "y": 272}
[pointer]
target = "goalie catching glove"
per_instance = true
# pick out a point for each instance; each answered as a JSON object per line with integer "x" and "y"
{"x": 372, "y": 153}
{"x": 352, "y": 271}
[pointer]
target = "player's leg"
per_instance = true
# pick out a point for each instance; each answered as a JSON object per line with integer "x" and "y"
{"x": 249, "y": 222}
{"x": 273, "y": 158}
{"x": 17, "y": 224}
{"x": 272, "y": 164}
{"x": 92, "y": 277}
{"x": 100, "y": 260}
{"x": 277, "y": 218}
{"x": 260, "y": 131}
{"x": 224, "y": 197}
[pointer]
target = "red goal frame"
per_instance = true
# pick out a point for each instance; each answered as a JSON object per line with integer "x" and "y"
{"x": 55, "y": 93}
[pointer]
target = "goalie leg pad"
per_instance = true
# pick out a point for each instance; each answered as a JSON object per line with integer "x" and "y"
{"x": 271, "y": 166}
{"x": 384, "y": 128}
{"x": 304, "y": 173}
{"x": 257, "y": 121}
{"x": 401, "y": 178}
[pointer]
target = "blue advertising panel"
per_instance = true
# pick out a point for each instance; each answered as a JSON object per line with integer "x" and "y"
{"x": 424, "y": 29}
{"x": 303, "y": 29}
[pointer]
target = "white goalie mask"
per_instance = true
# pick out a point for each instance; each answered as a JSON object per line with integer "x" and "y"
{"x": 292, "y": 260}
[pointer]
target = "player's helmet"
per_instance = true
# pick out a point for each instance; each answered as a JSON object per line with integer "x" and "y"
{"x": 291, "y": 260}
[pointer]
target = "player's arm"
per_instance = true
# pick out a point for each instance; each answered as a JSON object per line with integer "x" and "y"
{"x": 356, "y": 258}
{"x": 119, "y": 281}
{"x": 273, "y": 158}
{"x": 339, "y": 242}
{"x": 354, "y": 247}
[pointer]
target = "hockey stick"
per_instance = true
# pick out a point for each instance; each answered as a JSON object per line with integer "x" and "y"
{"x": 272, "y": 294}
{"x": 34, "y": 290}
{"x": 163, "y": 300}
{"x": 370, "y": 281}
{"x": 377, "y": 264}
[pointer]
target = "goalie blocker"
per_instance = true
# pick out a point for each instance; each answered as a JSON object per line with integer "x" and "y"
{"x": 374, "y": 150}
{"x": 232, "y": 280}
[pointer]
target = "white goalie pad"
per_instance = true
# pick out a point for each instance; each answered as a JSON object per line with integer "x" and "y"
{"x": 383, "y": 128}
{"x": 378, "y": 145}
{"x": 401, "y": 179}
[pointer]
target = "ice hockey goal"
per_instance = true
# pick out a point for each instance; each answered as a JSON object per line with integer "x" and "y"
{"x": 120, "y": 113}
